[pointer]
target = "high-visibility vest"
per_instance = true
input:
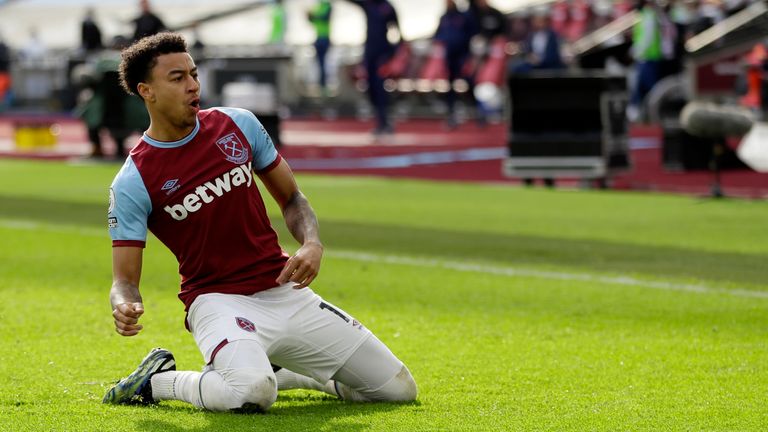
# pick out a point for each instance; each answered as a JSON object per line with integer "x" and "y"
{"x": 653, "y": 50}
{"x": 755, "y": 60}
{"x": 321, "y": 19}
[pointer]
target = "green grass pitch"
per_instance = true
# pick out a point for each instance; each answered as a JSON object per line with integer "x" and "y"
{"x": 515, "y": 309}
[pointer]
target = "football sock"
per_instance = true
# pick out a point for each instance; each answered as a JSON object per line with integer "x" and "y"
{"x": 177, "y": 385}
{"x": 224, "y": 385}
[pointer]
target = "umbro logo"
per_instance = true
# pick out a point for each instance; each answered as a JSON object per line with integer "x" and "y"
{"x": 171, "y": 186}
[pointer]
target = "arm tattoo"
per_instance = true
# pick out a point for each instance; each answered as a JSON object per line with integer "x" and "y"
{"x": 301, "y": 219}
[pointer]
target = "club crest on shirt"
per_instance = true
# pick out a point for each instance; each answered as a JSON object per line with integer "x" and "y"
{"x": 233, "y": 149}
{"x": 245, "y": 324}
{"x": 111, "y": 200}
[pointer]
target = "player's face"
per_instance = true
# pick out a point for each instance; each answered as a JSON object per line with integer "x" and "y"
{"x": 176, "y": 89}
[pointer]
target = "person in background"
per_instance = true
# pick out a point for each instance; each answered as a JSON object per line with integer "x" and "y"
{"x": 380, "y": 18}
{"x": 519, "y": 27}
{"x": 541, "y": 49}
{"x": 5, "y": 75}
{"x": 648, "y": 54}
{"x": 277, "y": 35}
{"x": 320, "y": 17}
{"x": 684, "y": 14}
{"x": 709, "y": 13}
{"x": 34, "y": 51}
{"x": 752, "y": 90}
{"x": 491, "y": 26}
{"x": 672, "y": 41}
{"x": 732, "y": 7}
{"x": 147, "y": 23}
{"x": 197, "y": 41}
{"x": 490, "y": 21}
{"x": 104, "y": 106}
{"x": 90, "y": 34}
{"x": 455, "y": 31}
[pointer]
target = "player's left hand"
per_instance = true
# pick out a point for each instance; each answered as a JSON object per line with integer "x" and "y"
{"x": 303, "y": 266}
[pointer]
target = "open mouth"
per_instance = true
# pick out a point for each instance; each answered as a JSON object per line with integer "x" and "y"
{"x": 195, "y": 103}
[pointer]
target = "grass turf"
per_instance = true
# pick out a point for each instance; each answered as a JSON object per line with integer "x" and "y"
{"x": 601, "y": 310}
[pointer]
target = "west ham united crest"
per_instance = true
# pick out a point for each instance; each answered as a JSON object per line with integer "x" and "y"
{"x": 233, "y": 149}
{"x": 245, "y": 324}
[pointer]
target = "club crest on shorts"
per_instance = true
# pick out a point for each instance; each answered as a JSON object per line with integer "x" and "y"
{"x": 233, "y": 149}
{"x": 245, "y": 324}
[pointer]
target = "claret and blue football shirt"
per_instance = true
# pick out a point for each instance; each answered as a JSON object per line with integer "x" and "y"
{"x": 198, "y": 196}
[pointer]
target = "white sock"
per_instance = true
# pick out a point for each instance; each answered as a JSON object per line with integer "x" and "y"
{"x": 209, "y": 389}
{"x": 287, "y": 380}
{"x": 177, "y": 385}
{"x": 227, "y": 384}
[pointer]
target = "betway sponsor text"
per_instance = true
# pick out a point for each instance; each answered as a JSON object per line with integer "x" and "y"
{"x": 210, "y": 190}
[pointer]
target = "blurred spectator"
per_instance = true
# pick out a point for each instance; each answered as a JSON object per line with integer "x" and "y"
{"x": 560, "y": 17}
{"x": 455, "y": 30}
{"x": 710, "y": 13}
{"x": 5, "y": 75}
{"x": 519, "y": 27}
{"x": 197, "y": 44}
{"x": 731, "y": 7}
{"x": 277, "y": 35}
{"x": 672, "y": 44}
{"x": 622, "y": 7}
{"x": 753, "y": 95}
{"x": 197, "y": 51}
{"x": 147, "y": 23}
{"x": 647, "y": 52}
{"x": 492, "y": 35}
{"x": 90, "y": 34}
{"x": 33, "y": 51}
{"x": 684, "y": 14}
{"x": 541, "y": 49}
{"x": 580, "y": 14}
{"x": 602, "y": 14}
{"x": 320, "y": 17}
{"x": 104, "y": 104}
{"x": 380, "y": 18}
{"x": 490, "y": 21}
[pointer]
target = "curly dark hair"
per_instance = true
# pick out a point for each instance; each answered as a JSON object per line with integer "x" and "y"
{"x": 139, "y": 58}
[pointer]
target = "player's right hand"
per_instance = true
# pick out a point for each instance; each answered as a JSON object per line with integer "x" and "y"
{"x": 127, "y": 318}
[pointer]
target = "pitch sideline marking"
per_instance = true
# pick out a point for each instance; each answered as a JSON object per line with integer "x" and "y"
{"x": 541, "y": 274}
{"x": 452, "y": 265}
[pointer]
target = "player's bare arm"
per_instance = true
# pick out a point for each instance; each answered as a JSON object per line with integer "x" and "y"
{"x": 302, "y": 268}
{"x": 126, "y": 301}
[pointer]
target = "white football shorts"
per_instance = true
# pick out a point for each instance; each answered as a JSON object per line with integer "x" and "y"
{"x": 297, "y": 329}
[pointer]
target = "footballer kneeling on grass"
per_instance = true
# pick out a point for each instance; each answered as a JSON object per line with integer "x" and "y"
{"x": 191, "y": 181}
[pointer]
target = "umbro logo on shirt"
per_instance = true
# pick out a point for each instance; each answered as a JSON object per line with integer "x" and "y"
{"x": 171, "y": 186}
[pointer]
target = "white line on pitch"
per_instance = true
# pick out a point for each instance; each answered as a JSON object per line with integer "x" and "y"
{"x": 62, "y": 228}
{"x": 541, "y": 274}
{"x": 450, "y": 265}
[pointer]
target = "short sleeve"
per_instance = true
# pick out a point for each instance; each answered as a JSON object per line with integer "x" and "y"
{"x": 129, "y": 207}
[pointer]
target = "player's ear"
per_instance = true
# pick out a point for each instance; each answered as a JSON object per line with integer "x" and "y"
{"x": 146, "y": 92}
